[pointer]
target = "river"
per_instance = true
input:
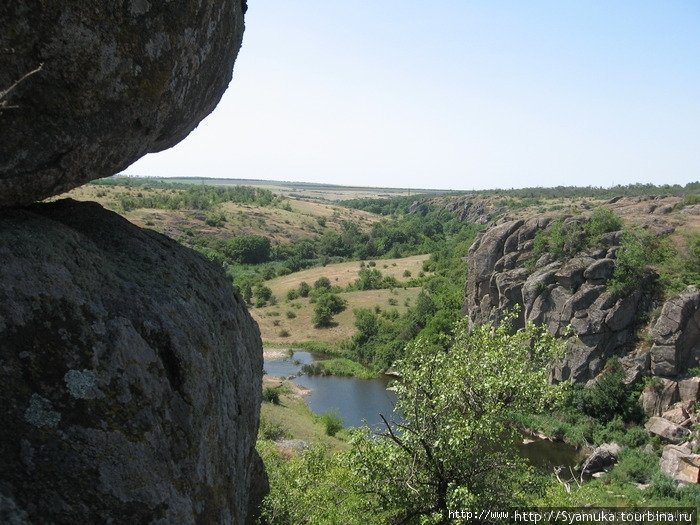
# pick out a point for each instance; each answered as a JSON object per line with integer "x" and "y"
{"x": 360, "y": 401}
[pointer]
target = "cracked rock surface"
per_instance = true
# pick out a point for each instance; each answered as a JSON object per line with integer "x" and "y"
{"x": 130, "y": 375}
{"x": 104, "y": 85}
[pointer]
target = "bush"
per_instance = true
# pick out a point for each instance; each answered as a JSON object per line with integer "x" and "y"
{"x": 271, "y": 394}
{"x": 636, "y": 466}
{"x": 271, "y": 431}
{"x": 304, "y": 289}
{"x": 406, "y": 273}
{"x": 609, "y": 397}
{"x": 332, "y": 422}
{"x": 284, "y": 333}
{"x": 292, "y": 294}
{"x": 290, "y": 314}
{"x": 248, "y": 249}
{"x": 322, "y": 283}
{"x": 327, "y": 305}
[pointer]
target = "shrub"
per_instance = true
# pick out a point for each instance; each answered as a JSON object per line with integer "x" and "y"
{"x": 327, "y": 305}
{"x": 248, "y": 249}
{"x": 322, "y": 283}
{"x": 635, "y": 465}
{"x": 271, "y": 431}
{"x": 271, "y": 394}
{"x": 290, "y": 314}
{"x": 406, "y": 273}
{"x": 292, "y": 294}
{"x": 284, "y": 333}
{"x": 304, "y": 289}
{"x": 332, "y": 422}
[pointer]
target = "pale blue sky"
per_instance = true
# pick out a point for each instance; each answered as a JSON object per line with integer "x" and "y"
{"x": 456, "y": 94}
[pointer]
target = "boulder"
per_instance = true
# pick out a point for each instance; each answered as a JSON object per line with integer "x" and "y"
{"x": 666, "y": 430}
{"x": 676, "y": 414}
{"x": 92, "y": 89}
{"x": 570, "y": 276}
{"x": 676, "y": 334}
{"x": 601, "y": 459}
{"x": 678, "y": 463}
{"x": 131, "y": 374}
{"x": 600, "y": 270}
{"x": 657, "y": 399}
{"x": 689, "y": 389}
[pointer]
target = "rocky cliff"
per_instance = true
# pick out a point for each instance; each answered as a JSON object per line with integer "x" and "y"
{"x": 130, "y": 371}
{"x": 573, "y": 292}
{"x": 85, "y": 90}
{"x": 130, "y": 378}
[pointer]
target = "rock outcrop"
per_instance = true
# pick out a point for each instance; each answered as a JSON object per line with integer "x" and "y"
{"x": 130, "y": 374}
{"x": 572, "y": 294}
{"x": 678, "y": 463}
{"x": 85, "y": 90}
{"x": 601, "y": 459}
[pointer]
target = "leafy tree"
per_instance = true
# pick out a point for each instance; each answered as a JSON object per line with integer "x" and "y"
{"x": 456, "y": 446}
{"x": 609, "y": 397}
{"x": 327, "y": 305}
{"x": 248, "y": 249}
{"x": 304, "y": 289}
{"x": 369, "y": 279}
{"x": 322, "y": 283}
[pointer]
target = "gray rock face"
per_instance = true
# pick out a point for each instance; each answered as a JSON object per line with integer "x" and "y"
{"x": 677, "y": 335}
{"x": 666, "y": 430}
{"x": 678, "y": 463}
{"x": 601, "y": 459}
{"x": 558, "y": 294}
{"x": 130, "y": 374}
{"x": 101, "y": 85}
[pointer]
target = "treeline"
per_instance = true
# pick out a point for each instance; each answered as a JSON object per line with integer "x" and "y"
{"x": 523, "y": 197}
{"x": 185, "y": 196}
{"x": 390, "y": 238}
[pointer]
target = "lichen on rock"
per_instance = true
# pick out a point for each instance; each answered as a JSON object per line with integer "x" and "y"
{"x": 131, "y": 374}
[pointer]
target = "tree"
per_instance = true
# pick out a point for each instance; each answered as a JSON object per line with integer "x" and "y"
{"x": 304, "y": 289}
{"x": 248, "y": 249}
{"x": 456, "y": 446}
{"x": 322, "y": 283}
{"x": 327, "y": 305}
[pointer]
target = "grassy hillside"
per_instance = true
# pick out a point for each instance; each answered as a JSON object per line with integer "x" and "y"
{"x": 342, "y": 274}
{"x": 277, "y": 327}
{"x": 283, "y": 220}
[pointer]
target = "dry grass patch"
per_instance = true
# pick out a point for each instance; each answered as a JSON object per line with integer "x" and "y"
{"x": 301, "y": 328}
{"x": 342, "y": 274}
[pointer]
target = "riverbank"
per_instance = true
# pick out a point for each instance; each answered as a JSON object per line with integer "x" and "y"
{"x": 291, "y": 418}
{"x": 328, "y": 362}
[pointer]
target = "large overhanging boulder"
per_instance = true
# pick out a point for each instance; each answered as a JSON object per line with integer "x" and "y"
{"x": 130, "y": 375}
{"x": 87, "y": 88}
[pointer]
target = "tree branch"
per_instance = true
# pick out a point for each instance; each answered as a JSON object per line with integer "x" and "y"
{"x": 4, "y": 93}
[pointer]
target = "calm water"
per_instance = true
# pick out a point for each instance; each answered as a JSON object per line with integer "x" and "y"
{"x": 360, "y": 401}
{"x": 357, "y": 401}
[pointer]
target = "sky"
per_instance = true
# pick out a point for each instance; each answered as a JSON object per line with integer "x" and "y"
{"x": 455, "y": 95}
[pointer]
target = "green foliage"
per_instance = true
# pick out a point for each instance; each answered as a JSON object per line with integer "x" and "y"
{"x": 338, "y": 366}
{"x": 327, "y": 305}
{"x": 271, "y": 431}
{"x": 332, "y": 423}
{"x": 322, "y": 283}
{"x": 263, "y": 294}
{"x": 248, "y": 249}
{"x": 681, "y": 265}
{"x": 271, "y": 394}
{"x": 566, "y": 238}
{"x": 635, "y": 465}
{"x": 456, "y": 446}
{"x": 304, "y": 289}
{"x": 638, "y": 250}
{"x": 312, "y": 488}
{"x": 292, "y": 294}
{"x": 609, "y": 397}
{"x": 183, "y": 196}
{"x": 603, "y": 220}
